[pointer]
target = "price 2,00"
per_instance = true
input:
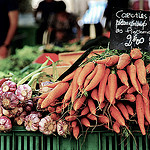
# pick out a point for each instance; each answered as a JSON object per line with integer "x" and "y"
{"x": 133, "y": 39}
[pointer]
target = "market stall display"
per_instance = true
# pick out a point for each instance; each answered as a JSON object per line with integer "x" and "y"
{"x": 107, "y": 91}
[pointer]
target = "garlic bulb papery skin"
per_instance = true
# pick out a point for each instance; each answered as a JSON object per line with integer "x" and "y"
{"x": 8, "y": 86}
{"x": 31, "y": 122}
{"x": 62, "y": 128}
{"x": 23, "y": 92}
{"x": 9, "y": 100}
{"x": 47, "y": 125}
{"x": 5, "y": 124}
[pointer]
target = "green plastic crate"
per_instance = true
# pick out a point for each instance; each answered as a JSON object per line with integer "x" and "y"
{"x": 20, "y": 139}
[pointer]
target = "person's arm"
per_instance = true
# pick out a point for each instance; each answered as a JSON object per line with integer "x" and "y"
{"x": 13, "y": 18}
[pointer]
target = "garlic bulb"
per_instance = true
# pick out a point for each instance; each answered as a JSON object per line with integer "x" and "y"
{"x": 31, "y": 122}
{"x": 23, "y": 92}
{"x": 5, "y": 124}
{"x": 8, "y": 86}
{"x": 9, "y": 100}
{"x": 62, "y": 128}
{"x": 47, "y": 125}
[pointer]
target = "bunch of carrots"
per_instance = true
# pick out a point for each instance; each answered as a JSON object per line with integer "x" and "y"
{"x": 105, "y": 92}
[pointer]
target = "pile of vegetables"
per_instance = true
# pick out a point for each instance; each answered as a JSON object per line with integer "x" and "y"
{"x": 110, "y": 90}
{"x": 22, "y": 58}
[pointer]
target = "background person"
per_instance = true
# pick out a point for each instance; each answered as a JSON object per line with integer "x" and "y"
{"x": 63, "y": 26}
{"x": 45, "y": 8}
{"x": 8, "y": 25}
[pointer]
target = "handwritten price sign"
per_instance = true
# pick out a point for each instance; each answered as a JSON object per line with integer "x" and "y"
{"x": 130, "y": 29}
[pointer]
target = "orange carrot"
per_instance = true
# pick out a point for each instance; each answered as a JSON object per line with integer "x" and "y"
{"x": 103, "y": 119}
{"x": 109, "y": 61}
{"x": 68, "y": 77}
{"x": 91, "y": 117}
{"x": 85, "y": 122}
{"x": 121, "y": 90}
{"x": 78, "y": 103}
{"x": 123, "y": 77}
{"x": 71, "y": 118}
{"x": 129, "y": 97}
{"x": 102, "y": 86}
{"x": 148, "y": 69}
{"x": 115, "y": 113}
{"x": 68, "y": 94}
{"x": 40, "y": 100}
{"x": 147, "y": 111}
{"x": 97, "y": 78}
{"x": 107, "y": 93}
{"x": 123, "y": 110}
{"x": 145, "y": 96}
{"x": 112, "y": 87}
{"x": 85, "y": 111}
{"x": 131, "y": 70}
{"x": 141, "y": 71}
{"x": 124, "y": 60}
{"x": 129, "y": 109}
{"x": 145, "y": 90}
{"x": 135, "y": 53}
{"x": 94, "y": 94}
{"x": 116, "y": 127}
{"x": 140, "y": 113}
{"x": 92, "y": 106}
{"x": 43, "y": 95}
{"x": 85, "y": 71}
{"x": 131, "y": 90}
{"x": 74, "y": 124}
{"x": 102, "y": 61}
{"x": 76, "y": 131}
{"x": 90, "y": 76}
{"x": 75, "y": 85}
{"x": 139, "y": 85}
{"x": 52, "y": 85}
{"x": 60, "y": 89}
{"x": 112, "y": 60}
